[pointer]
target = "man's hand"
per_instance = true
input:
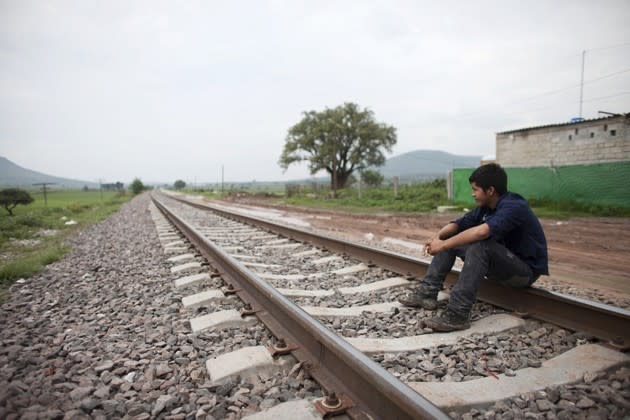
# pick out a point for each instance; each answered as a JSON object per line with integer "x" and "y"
{"x": 434, "y": 245}
{"x": 438, "y": 243}
{"x": 427, "y": 244}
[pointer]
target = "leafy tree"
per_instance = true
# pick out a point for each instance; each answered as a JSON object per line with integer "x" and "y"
{"x": 11, "y": 197}
{"x": 118, "y": 186}
{"x": 179, "y": 184}
{"x": 137, "y": 186}
{"x": 339, "y": 140}
{"x": 372, "y": 178}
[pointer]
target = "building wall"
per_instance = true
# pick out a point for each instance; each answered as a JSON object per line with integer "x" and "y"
{"x": 588, "y": 142}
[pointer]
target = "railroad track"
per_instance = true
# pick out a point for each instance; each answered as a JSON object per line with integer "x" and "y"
{"x": 332, "y": 308}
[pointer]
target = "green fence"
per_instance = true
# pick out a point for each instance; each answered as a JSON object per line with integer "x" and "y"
{"x": 603, "y": 183}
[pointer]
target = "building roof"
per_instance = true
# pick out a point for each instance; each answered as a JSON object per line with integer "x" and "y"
{"x": 627, "y": 115}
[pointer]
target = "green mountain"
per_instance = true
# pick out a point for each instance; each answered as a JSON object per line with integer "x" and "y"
{"x": 425, "y": 164}
{"x": 12, "y": 175}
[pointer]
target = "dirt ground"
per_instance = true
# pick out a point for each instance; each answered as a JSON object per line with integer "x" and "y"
{"x": 584, "y": 252}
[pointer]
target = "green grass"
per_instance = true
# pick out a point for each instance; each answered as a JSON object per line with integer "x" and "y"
{"x": 564, "y": 209}
{"x": 32, "y": 262}
{"x": 422, "y": 197}
{"x": 26, "y": 242}
{"x": 416, "y": 198}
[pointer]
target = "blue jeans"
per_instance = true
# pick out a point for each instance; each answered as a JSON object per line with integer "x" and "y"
{"x": 485, "y": 258}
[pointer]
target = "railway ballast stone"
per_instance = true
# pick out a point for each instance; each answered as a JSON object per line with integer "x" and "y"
{"x": 100, "y": 334}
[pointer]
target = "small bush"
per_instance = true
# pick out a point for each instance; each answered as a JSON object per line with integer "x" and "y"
{"x": 29, "y": 220}
{"x": 12, "y": 197}
{"x": 52, "y": 254}
{"x": 137, "y": 186}
{"x": 77, "y": 207}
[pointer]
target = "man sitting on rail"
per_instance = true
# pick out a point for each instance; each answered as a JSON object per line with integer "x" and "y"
{"x": 501, "y": 239}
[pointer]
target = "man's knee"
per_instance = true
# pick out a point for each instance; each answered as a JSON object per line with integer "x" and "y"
{"x": 478, "y": 249}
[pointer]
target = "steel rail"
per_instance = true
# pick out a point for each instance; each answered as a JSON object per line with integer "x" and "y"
{"x": 331, "y": 361}
{"x": 605, "y": 322}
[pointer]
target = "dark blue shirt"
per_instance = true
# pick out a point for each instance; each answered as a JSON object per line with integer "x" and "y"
{"x": 513, "y": 224}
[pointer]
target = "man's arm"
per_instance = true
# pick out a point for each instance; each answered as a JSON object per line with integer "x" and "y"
{"x": 468, "y": 236}
{"x": 447, "y": 231}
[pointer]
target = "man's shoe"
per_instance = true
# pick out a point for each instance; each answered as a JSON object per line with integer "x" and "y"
{"x": 419, "y": 300}
{"x": 448, "y": 321}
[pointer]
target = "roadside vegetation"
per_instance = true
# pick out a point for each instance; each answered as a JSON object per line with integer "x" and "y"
{"x": 341, "y": 141}
{"x": 136, "y": 186}
{"x": 423, "y": 197}
{"x": 35, "y": 235}
{"x": 564, "y": 209}
{"x": 420, "y": 197}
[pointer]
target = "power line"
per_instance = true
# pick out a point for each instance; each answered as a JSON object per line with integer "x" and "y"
{"x": 608, "y": 47}
{"x": 607, "y": 97}
{"x": 552, "y": 92}
{"x": 582, "y": 78}
{"x": 601, "y": 98}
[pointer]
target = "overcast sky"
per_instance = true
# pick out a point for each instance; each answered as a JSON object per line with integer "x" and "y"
{"x": 167, "y": 90}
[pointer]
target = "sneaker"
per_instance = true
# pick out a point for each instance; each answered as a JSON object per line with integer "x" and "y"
{"x": 448, "y": 321}
{"x": 419, "y": 300}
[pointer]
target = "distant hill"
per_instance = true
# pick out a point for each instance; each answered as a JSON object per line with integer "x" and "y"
{"x": 425, "y": 164}
{"x": 12, "y": 175}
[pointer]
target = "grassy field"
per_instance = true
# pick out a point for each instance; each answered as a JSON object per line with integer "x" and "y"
{"x": 564, "y": 209}
{"x": 422, "y": 197}
{"x": 415, "y": 198}
{"x": 35, "y": 235}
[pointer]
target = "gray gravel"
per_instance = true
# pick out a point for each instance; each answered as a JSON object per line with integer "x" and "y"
{"x": 593, "y": 398}
{"x": 102, "y": 334}
{"x": 584, "y": 292}
{"x": 483, "y": 355}
{"x": 471, "y": 358}
{"x": 398, "y": 323}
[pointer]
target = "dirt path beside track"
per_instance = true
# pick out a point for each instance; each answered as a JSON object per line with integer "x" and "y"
{"x": 584, "y": 252}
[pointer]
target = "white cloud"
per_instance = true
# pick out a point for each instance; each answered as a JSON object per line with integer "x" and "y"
{"x": 167, "y": 90}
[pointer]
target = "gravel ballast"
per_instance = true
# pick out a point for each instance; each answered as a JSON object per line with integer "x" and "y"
{"x": 102, "y": 334}
{"x": 597, "y": 396}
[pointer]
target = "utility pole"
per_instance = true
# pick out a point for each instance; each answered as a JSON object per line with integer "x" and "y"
{"x": 222, "y": 178}
{"x": 44, "y": 184}
{"x": 582, "y": 83}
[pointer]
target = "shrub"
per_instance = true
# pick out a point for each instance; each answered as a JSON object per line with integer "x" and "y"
{"x": 372, "y": 178}
{"x": 11, "y": 197}
{"x": 136, "y": 186}
{"x": 77, "y": 207}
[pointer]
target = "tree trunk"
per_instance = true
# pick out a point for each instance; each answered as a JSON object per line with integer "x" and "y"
{"x": 342, "y": 179}
{"x": 338, "y": 180}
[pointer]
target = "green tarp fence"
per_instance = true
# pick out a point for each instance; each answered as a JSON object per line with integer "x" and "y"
{"x": 603, "y": 183}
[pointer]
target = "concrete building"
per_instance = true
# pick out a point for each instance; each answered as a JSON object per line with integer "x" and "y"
{"x": 598, "y": 140}
{"x": 586, "y": 161}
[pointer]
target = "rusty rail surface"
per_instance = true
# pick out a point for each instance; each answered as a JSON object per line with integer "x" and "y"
{"x": 366, "y": 390}
{"x": 605, "y": 322}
